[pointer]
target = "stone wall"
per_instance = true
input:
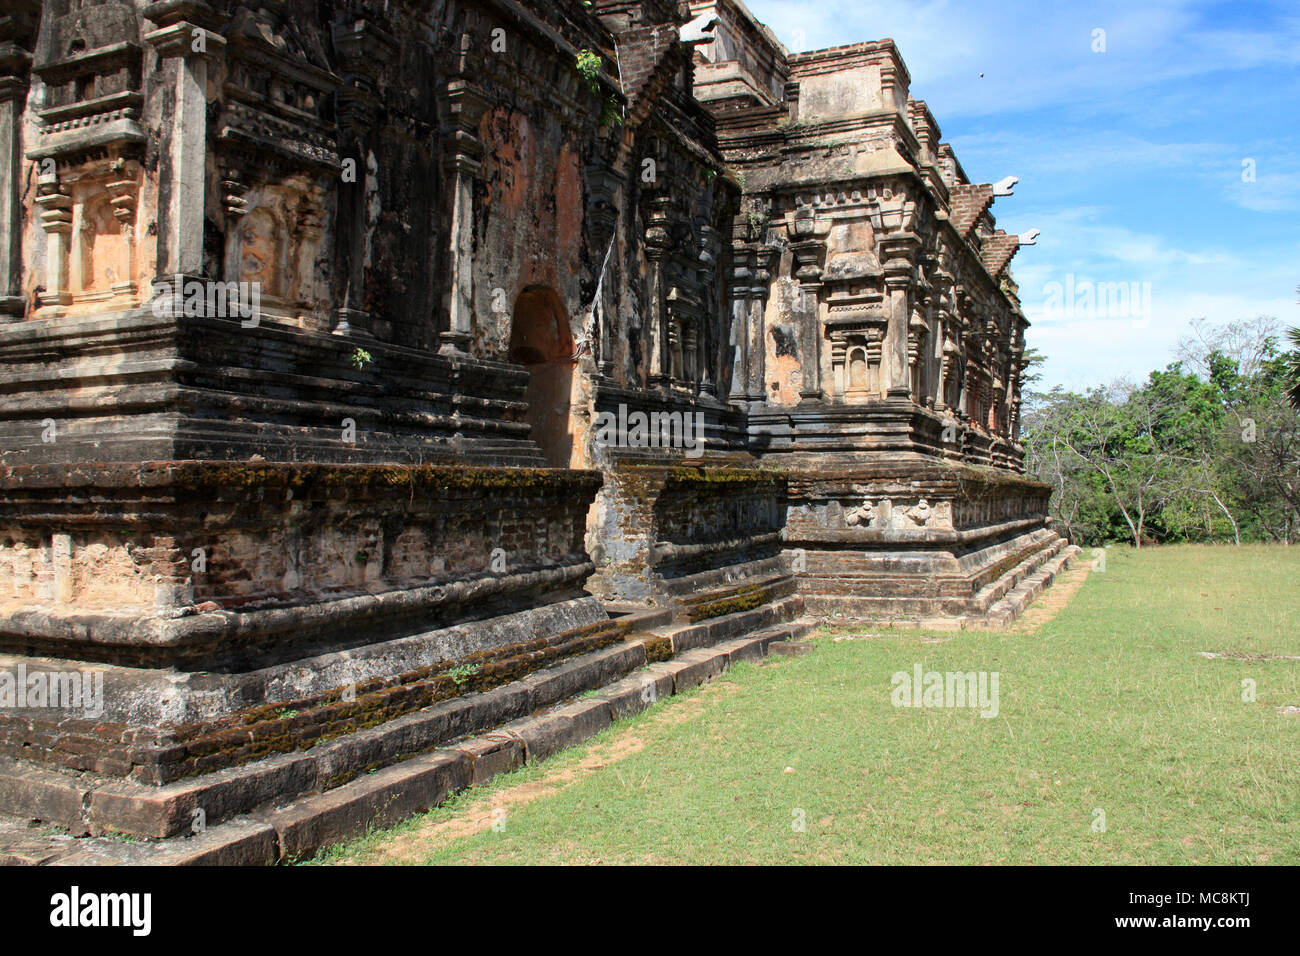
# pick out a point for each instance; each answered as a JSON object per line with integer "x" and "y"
{"x": 300, "y": 298}
{"x": 903, "y": 542}
{"x": 668, "y": 530}
{"x": 867, "y": 268}
{"x": 227, "y": 564}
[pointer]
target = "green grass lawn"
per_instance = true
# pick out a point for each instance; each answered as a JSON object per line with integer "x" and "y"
{"x": 1107, "y": 707}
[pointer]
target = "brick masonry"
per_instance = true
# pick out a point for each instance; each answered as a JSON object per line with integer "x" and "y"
{"x": 310, "y": 536}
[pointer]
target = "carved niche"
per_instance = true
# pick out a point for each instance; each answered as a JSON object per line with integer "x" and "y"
{"x": 88, "y": 155}
{"x": 278, "y": 164}
{"x": 856, "y": 323}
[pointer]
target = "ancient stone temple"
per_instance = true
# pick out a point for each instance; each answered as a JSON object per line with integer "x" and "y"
{"x": 378, "y": 375}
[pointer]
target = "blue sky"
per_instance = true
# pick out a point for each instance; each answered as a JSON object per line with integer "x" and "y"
{"x": 1132, "y": 161}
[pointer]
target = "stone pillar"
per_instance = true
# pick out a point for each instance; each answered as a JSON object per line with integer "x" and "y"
{"x": 190, "y": 45}
{"x": 659, "y": 370}
{"x": 307, "y": 233}
{"x": 940, "y": 337}
{"x": 758, "y": 295}
{"x": 364, "y": 50}
{"x": 56, "y": 219}
{"x": 465, "y": 107}
{"x": 948, "y": 371}
{"x": 124, "y": 191}
{"x": 235, "y": 206}
{"x": 604, "y": 187}
{"x": 811, "y": 366}
{"x": 676, "y": 349}
{"x": 810, "y": 255}
{"x": 690, "y": 353}
{"x": 1016, "y": 373}
{"x": 997, "y": 408}
{"x": 15, "y": 62}
{"x": 898, "y": 253}
{"x": 1013, "y": 402}
{"x": 742, "y": 274}
{"x": 710, "y": 245}
{"x": 918, "y": 332}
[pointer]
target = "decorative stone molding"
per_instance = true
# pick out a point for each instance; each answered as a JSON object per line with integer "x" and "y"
{"x": 17, "y": 38}
{"x": 464, "y": 106}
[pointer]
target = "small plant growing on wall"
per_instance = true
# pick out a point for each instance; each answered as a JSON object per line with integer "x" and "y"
{"x": 361, "y": 358}
{"x": 462, "y": 673}
{"x": 589, "y": 65}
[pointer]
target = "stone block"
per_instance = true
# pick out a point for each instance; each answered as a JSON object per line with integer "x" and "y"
{"x": 492, "y": 755}
{"x": 377, "y": 799}
{"x": 233, "y": 843}
{"x": 693, "y": 668}
{"x": 636, "y": 692}
{"x": 791, "y": 648}
{"x": 31, "y": 793}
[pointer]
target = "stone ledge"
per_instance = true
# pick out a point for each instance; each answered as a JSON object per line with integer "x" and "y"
{"x": 91, "y": 805}
{"x": 157, "y": 812}
{"x": 422, "y": 782}
{"x": 319, "y": 713}
{"x": 939, "y": 610}
{"x": 236, "y": 843}
{"x": 379, "y": 799}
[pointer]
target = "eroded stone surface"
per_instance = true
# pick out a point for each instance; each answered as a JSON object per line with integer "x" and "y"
{"x": 324, "y": 334}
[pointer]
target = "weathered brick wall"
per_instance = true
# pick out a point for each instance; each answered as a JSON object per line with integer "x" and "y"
{"x": 660, "y": 522}
{"x": 164, "y": 753}
{"x": 165, "y": 540}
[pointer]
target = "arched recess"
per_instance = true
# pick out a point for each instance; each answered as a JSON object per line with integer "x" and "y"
{"x": 540, "y": 340}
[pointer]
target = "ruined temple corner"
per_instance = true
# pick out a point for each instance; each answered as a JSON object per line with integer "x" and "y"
{"x": 377, "y": 373}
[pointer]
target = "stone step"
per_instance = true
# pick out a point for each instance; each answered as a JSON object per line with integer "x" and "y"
{"x": 290, "y": 832}
{"x": 994, "y": 606}
{"x": 721, "y": 601}
{"x": 1014, "y": 603}
{"x": 730, "y": 575}
{"x": 996, "y": 590}
{"x": 641, "y": 616}
{"x": 88, "y": 805}
{"x": 96, "y": 805}
{"x": 710, "y": 631}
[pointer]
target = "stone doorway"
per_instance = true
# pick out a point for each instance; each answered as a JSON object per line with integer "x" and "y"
{"x": 541, "y": 341}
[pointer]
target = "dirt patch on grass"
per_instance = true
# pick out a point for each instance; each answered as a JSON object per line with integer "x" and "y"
{"x": 417, "y": 844}
{"x": 1052, "y": 601}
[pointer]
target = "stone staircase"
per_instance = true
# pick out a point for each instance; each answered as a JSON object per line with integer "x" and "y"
{"x": 994, "y": 605}
{"x": 1027, "y": 581}
{"x": 287, "y": 806}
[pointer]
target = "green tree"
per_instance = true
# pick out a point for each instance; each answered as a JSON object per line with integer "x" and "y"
{"x": 1293, "y": 368}
{"x": 1207, "y": 449}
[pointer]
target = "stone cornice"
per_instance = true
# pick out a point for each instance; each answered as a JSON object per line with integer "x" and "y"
{"x": 177, "y": 40}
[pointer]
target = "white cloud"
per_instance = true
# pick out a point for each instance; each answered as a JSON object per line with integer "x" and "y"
{"x": 1085, "y": 352}
{"x": 1172, "y": 284}
{"x": 1035, "y": 54}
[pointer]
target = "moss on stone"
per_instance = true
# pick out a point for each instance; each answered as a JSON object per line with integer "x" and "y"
{"x": 743, "y": 599}
{"x": 266, "y": 729}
